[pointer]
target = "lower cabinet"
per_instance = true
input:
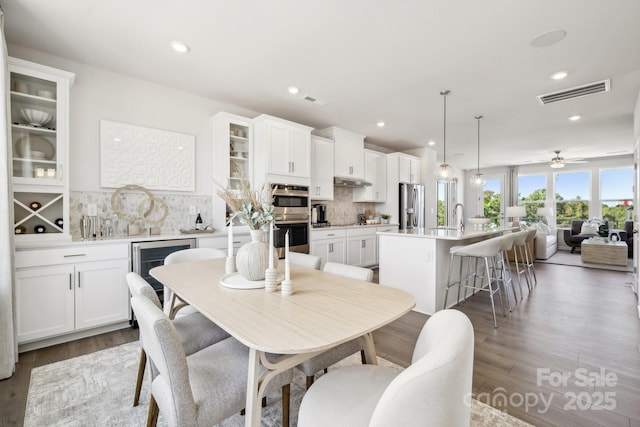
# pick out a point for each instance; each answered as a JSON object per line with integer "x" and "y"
{"x": 362, "y": 247}
{"x": 70, "y": 289}
{"x": 221, "y": 242}
{"x": 330, "y": 245}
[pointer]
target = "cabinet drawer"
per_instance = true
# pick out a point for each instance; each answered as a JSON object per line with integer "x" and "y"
{"x": 328, "y": 234}
{"x": 71, "y": 254}
{"x": 364, "y": 231}
{"x": 387, "y": 229}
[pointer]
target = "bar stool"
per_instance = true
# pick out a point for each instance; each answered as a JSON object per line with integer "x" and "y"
{"x": 519, "y": 256}
{"x": 502, "y": 263}
{"x": 486, "y": 250}
{"x": 531, "y": 235}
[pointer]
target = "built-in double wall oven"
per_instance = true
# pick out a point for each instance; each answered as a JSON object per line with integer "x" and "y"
{"x": 291, "y": 212}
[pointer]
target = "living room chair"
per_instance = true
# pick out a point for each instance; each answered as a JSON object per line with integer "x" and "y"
{"x": 195, "y": 331}
{"x": 435, "y": 390}
{"x": 186, "y": 255}
{"x": 573, "y": 236}
{"x": 628, "y": 229}
{"x": 324, "y": 360}
{"x": 305, "y": 260}
{"x": 203, "y": 388}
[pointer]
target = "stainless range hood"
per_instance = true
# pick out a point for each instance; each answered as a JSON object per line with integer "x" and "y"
{"x": 350, "y": 183}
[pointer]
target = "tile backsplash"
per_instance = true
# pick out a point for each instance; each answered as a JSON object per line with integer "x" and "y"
{"x": 342, "y": 210}
{"x": 177, "y": 209}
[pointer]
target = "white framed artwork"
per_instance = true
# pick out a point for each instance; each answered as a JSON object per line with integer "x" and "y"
{"x": 153, "y": 158}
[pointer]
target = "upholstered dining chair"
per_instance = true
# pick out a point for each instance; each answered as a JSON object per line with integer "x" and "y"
{"x": 175, "y": 305}
{"x": 435, "y": 390}
{"x": 195, "y": 331}
{"x": 200, "y": 389}
{"x": 324, "y": 360}
{"x": 305, "y": 260}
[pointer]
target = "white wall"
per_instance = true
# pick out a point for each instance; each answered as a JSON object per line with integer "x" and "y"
{"x": 99, "y": 94}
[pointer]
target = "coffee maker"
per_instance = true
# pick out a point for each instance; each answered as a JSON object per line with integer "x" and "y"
{"x": 321, "y": 214}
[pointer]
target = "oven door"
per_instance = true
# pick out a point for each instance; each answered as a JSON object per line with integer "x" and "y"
{"x": 298, "y": 237}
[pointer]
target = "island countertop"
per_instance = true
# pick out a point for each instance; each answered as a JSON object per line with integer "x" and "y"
{"x": 446, "y": 233}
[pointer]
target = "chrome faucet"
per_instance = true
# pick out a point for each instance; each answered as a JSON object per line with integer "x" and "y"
{"x": 461, "y": 218}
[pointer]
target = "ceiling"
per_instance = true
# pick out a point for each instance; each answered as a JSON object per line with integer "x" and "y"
{"x": 375, "y": 60}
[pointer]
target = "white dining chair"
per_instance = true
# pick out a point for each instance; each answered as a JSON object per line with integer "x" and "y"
{"x": 174, "y": 306}
{"x": 435, "y": 390}
{"x": 305, "y": 260}
{"x": 195, "y": 331}
{"x": 324, "y": 360}
{"x": 200, "y": 389}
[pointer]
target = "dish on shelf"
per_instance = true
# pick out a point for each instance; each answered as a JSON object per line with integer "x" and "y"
{"x": 35, "y": 147}
{"x": 36, "y": 117}
{"x": 46, "y": 94}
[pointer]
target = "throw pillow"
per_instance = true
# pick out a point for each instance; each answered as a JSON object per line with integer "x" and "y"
{"x": 589, "y": 228}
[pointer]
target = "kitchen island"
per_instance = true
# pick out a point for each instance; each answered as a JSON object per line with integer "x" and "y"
{"x": 417, "y": 261}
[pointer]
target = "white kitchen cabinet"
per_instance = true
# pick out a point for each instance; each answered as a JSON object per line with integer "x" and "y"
{"x": 348, "y": 152}
{"x": 330, "y": 245}
{"x": 71, "y": 288}
{"x": 362, "y": 247}
{"x": 39, "y": 106}
{"x": 282, "y": 151}
{"x": 375, "y": 172}
{"x": 221, "y": 243}
{"x": 321, "y": 169}
{"x": 232, "y": 159}
{"x": 407, "y": 168}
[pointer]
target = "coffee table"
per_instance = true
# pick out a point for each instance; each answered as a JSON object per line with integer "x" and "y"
{"x": 599, "y": 252}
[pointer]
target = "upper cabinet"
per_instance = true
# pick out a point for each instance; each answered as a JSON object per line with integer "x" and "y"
{"x": 282, "y": 151}
{"x": 39, "y": 104}
{"x": 233, "y": 158}
{"x": 321, "y": 169}
{"x": 348, "y": 152}
{"x": 409, "y": 169}
{"x": 375, "y": 172}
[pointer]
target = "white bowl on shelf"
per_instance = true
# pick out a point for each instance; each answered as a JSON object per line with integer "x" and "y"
{"x": 46, "y": 94}
{"x": 479, "y": 220}
{"x": 36, "y": 117}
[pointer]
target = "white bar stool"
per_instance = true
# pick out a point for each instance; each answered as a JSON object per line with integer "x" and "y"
{"x": 502, "y": 263}
{"x": 531, "y": 268}
{"x": 519, "y": 256}
{"x": 486, "y": 250}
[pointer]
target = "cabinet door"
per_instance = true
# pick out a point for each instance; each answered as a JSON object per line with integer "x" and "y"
{"x": 416, "y": 171}
{"x": 278, "y": 149}
{"x": 322, "y": 170}
{"x": 299, "y": 153}
{"x": 380, "y": 190}
{"x": 369, "y": 251}
{"x": 349, "y": 155}
{"x": 337, "y": 251}
{"x": 404, "y": 169}
{"x": 45, "y": 300}
{"x": 353, "y": 251}
{"x": 102, "y": 295}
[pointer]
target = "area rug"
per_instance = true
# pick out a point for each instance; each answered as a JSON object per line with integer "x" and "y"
{"x": 574, "y": 259}
{"x": 97, "y": 390}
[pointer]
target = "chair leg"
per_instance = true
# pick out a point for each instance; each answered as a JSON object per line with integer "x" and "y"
{"x": 152, "y": 415}
{"x": 310, "y": 381}
{"x": 286, "y": 396}
{"x": 493, "y": 307}
{"x": 141, "y": 366}
{"x": 363, "y": 357}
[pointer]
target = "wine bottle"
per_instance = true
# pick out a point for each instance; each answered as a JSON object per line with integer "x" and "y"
{"x": 199, "y": 225}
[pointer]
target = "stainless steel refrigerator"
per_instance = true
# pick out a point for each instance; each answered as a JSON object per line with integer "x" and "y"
{"x": 411, "y": 206}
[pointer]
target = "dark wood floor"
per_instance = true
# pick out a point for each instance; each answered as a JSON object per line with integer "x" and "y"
{"x": 576, "y": 318}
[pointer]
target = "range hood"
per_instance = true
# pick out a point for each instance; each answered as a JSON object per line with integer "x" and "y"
{"x": 350, "y": 183}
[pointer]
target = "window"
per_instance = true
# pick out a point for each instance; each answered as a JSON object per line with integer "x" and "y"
{"x": 572, "y": 196}
{"x": 442, "y": 204}
{"x": 616, "y": 196}
{"x": 493, "y": 200}
{"x": 532, "y": 193}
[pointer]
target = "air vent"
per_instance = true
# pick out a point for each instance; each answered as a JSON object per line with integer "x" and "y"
{"x": 314, "y": 100}
{"x": 576, "y": 92}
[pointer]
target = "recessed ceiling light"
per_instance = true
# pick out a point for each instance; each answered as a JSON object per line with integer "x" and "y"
{"x": 431, "y": 143}
{"x": 293, "y": 90}
{"x": 179, "y": 47}
{"x": 548, "y": 38}
{"x": 380, "y": 124}
{"x": 575, "y": 118}
{"x": 559, "y": 75}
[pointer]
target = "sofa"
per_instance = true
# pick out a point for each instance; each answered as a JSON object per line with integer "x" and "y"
{"x": 546, "y": 241}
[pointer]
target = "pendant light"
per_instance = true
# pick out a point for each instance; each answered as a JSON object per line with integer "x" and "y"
{"x": 444, "y": 172}
{"x": 477, "y": 180}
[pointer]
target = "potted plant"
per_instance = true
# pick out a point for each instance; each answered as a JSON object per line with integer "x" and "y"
{"x": 384, "y": 218}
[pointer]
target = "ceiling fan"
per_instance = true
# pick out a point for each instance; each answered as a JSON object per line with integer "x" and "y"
{"x": 559, "y": 162}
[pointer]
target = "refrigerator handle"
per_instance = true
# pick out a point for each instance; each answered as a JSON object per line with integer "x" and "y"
{"x": 413, "y": 203}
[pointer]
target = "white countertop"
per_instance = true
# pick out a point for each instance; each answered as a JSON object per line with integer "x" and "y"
{"x": 444, "y": 233}
{"x": 335, "y": 227}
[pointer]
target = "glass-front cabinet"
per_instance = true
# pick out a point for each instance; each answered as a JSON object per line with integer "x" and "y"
{"x": 39, "y": 140}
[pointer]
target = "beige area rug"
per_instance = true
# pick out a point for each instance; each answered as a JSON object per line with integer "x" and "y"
{"x": 97, "y": 390}
{"x": 574, "y": 259}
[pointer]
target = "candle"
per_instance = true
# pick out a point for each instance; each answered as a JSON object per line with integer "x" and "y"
{"x": 230, "y": 238}
{"x": 287, "y": 273}
{"x": 271, "y": 245}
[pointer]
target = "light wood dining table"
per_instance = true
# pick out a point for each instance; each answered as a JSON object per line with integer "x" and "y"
{"x": 325, "y": 310}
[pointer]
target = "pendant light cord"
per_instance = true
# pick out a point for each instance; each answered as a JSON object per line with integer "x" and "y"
{"x": 444, "y": 138}
{"x": 478, "y": 118}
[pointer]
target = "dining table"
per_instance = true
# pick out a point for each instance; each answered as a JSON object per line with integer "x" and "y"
{"x": 324, "y": 311}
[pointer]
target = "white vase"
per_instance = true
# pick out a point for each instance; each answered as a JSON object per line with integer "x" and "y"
{"x": 252, "y": 258}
